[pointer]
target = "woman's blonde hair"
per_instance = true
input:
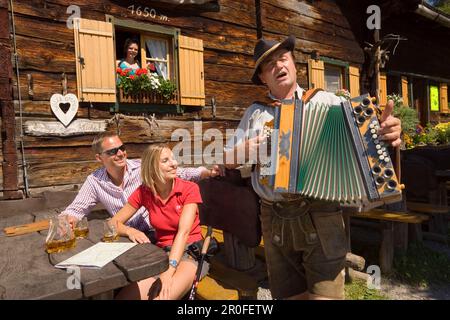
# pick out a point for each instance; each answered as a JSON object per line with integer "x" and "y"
{"x": 150, "y": 171}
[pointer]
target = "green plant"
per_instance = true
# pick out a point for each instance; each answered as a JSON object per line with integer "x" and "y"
{"x": 407, "y": 115}
{"x": 422, "y": 266}
{"x": 166, "y": 88}
{"x": 358, "y": 290}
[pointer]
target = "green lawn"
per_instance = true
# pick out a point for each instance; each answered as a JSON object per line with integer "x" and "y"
{"x": 357, "y": 290}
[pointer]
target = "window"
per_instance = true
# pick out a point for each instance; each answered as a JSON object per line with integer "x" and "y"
{"x": 174, "y": 57}
{"x": 334, "y": 78}
{"x": 332, "y": 75}
{"x": 156, "y": 51}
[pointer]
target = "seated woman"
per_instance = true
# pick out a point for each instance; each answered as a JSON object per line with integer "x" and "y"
{"x": 130, "y": 52}
{"x": 172, "y": 204}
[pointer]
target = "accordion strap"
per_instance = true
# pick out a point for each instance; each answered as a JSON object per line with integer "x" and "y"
{"x": 309, "y": 94}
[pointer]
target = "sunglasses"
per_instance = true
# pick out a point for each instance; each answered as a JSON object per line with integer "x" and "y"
{"x": 113, "y": 151}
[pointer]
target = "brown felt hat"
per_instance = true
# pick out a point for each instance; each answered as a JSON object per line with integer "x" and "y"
{"x": 264, "y": 48}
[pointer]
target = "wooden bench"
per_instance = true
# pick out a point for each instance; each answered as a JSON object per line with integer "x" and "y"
{"x": 223, "y": 282}
{"x": 437, "y": 222}
{"x": 402, "y": 222}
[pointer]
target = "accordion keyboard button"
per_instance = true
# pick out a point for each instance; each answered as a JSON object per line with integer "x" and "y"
{"x": 374, "y": 136}
{"x": 378, "y": 147}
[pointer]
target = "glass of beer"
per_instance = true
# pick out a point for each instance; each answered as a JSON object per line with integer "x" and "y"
{"x": 60, "y": 236}
{"x": 109, "y": 231}
{"x": 81, "y": 228}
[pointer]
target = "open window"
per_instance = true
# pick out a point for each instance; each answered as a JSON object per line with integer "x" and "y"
{"x": 175, "y": 60}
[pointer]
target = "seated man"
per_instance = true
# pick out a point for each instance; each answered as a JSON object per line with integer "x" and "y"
{"x": 112, "y": 184}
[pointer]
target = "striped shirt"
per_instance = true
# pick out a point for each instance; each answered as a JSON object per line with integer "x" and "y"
{"x": 98, "y": 188}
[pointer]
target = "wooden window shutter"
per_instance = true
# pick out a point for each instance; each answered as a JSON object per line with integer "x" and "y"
{"x": 191, "y": 72}
{"x": 316, "y": 71}
{"x": 444, "y": 98}
{"x": 405, "y": 91}
{"x": 382, "y": 82}
{"x": 353, "y": 73}
{"x": 94, "y": 52}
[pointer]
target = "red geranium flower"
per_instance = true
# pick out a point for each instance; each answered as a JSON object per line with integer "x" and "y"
{"x": 141, "y": 71}
{"x": 132, "y": 77}
{"x": 151, "y": 67}
{"x": 119, "y": 70}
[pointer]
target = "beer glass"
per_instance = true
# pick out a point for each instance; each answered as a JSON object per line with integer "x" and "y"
{"x": 60, "y": 236}
{"x": 109, "y": 231}
{"x": 81, "y": 228}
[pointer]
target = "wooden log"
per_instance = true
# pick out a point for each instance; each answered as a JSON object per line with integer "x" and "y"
{"x": 308, "y": 46}
{"x": 37, "y": 54}
{"x": 45, "y": 174}
{"x": 306, "y": 9}
{"x": 42, "y": 109}
{"x": 387, "y": 246}
{"x": 57, "y": 129}
{"x": 238, "y": 255}
{"x": 354, "y": 274}
{"x": 44, "y": 85}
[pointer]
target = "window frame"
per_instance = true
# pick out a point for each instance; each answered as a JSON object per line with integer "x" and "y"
{"x": 335, "y": 63}
{"x": 170, "y": 52}
{"x": 168, "y": 33}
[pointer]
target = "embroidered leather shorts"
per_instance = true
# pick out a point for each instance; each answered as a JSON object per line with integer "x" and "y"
{"x": 305, "y": 246}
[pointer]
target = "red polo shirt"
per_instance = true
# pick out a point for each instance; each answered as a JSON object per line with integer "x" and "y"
{"x": 165, "y": 217}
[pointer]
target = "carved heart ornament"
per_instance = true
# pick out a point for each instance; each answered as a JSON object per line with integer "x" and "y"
{"x": 57, "y": 101}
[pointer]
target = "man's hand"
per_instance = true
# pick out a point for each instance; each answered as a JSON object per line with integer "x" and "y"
{"x": 71, "y": 219}
{"x": 390, "y": 126}
{"x": 137, "y": 236}
{"x": 214, "y": 172}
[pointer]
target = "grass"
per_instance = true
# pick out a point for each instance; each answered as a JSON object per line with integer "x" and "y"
{"x": 422, "y": 266}
{"x": 357, "y": 290}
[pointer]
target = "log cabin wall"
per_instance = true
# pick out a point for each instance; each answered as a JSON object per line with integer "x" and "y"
{"x": 319, "y": 27}
{"x": 422, "y": 54}
{"x": 46, "y": 55}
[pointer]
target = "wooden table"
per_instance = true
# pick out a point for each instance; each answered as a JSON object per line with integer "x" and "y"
{"x": 28, "y": 272}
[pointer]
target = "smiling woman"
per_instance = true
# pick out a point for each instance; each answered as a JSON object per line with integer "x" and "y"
{"x": 173, "y": 207}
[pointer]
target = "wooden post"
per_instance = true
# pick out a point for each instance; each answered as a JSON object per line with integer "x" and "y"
{"x": 376, "y": 36}
{"x": 387, "y": 246}
{"x": 400, "y": 237}
{"x": 9, "y": 164}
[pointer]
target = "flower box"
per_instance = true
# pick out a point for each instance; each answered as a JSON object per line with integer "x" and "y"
{"x": 147, "y": 97}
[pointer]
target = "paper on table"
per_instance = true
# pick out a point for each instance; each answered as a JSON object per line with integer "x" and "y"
{"x": 97, "y": 256}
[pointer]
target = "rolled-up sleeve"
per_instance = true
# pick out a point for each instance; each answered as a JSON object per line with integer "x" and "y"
{"x": 190, "y": 174}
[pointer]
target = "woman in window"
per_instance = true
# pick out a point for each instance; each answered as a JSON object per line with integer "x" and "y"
{"x": 172, "y": 204}
{"x": 130, "y": 52}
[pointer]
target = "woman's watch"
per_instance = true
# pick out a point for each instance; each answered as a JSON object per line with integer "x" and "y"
{"x": 173, "y": 263}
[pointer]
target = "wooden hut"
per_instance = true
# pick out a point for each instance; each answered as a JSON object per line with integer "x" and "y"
{"x": 209, "y": 48}
{"x": 420, "y": 46}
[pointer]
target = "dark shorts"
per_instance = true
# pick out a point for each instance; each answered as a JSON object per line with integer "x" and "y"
{"x": 305, "y": 247}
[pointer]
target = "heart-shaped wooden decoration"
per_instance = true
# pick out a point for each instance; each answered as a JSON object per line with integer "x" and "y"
{"x": 57, "y": 102}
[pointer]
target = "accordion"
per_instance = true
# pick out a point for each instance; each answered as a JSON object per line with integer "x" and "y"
{"x": 329, "y": 152}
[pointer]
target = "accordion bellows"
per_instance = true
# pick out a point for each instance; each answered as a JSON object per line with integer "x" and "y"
{"x": 329, "y": 152}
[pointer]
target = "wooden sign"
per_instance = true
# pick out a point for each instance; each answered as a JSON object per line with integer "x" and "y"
{"x": 64, "y": 107}
{"x": 56, "y": 129}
